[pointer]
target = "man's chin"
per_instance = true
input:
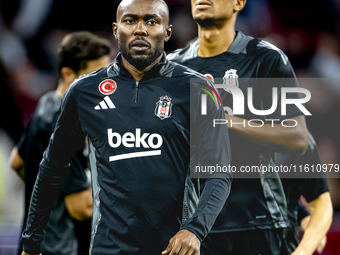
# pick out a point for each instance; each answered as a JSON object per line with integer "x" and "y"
{"x": 139, "y": 61}
{"x": 204, "y": 19}
{"x": 138, "y": 58}
{"x": 203, "y": 15}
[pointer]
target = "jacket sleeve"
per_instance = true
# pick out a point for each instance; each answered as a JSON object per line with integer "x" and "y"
{"x": 211, "y": 145}
{"x": 278, "y": 72}
{"x": 65, "y": 140}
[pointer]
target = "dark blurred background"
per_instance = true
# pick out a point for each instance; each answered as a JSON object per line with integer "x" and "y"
{"x": 31, "y": 30}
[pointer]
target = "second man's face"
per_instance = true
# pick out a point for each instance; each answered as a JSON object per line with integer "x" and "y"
{"x": 141, "y": 30}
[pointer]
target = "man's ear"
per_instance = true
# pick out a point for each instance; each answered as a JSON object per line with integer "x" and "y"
{"x": 168, "y": 33}
{"x": 67, "y": 74}
{"x": 239, "y": 5}
{"x": 115, "y": 29}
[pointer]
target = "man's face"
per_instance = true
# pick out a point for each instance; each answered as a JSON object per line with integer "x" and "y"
{"x": 141, "y": 29}
{"x": 207, "y": 10}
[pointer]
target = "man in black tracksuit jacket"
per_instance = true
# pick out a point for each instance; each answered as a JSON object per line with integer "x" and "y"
{"x": 254, "y": 218}
{"x": 142, "y": 115}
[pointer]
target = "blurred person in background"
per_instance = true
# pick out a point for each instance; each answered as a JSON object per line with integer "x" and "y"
{"x": 10, "y": 122}
{"x": 11, "y": 119}
{"x": 79, "y": 53}
{"x": 257, "y": 222}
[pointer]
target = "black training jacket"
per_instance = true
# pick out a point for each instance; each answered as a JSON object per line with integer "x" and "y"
{"x": 142, "y": 136}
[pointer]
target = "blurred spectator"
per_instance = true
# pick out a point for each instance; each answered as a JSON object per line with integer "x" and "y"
{"x": 326, "y": 60}
{"x": 10, "y": 120}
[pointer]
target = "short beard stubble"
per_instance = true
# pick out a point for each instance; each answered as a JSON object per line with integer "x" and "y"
{"x": 141, "y": 62}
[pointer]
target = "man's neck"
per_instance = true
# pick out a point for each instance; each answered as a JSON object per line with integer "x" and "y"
{"x": 138, "y": 74}
{"x": 214, "y": 40}
{"x": 61, "y": 89}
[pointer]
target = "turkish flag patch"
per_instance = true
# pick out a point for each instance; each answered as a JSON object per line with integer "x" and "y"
{"x": 107, "y": 87}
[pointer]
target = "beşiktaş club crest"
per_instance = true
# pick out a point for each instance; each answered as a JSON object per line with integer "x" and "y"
{"x": 163, "y": 107}
{"x": 230, "y": 78}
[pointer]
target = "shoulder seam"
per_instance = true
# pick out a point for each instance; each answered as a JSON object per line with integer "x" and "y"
{"x": 265, "y": 44}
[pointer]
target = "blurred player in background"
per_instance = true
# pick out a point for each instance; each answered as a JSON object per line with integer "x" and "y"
{"x": 9, "y": 109}
{"x": 313, "y": 188}
{"x": 79, "y": 53}
{"x": 137, "y": 114}
{"x": 254, "y": 218}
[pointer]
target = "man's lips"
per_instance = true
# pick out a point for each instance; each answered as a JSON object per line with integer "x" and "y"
{"x": 139, "y": 45}
{"x": 203, "y": 4}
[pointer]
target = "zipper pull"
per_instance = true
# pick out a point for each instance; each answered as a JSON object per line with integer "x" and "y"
{"x": 136, "y": 92}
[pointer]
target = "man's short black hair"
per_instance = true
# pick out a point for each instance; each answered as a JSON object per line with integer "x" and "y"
{"x": 77, "y": 48}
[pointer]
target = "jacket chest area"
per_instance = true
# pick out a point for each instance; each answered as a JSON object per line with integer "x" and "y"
{"x": 148, "y": 107}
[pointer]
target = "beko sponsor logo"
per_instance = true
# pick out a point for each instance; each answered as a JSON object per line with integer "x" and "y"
{"x": 135, "y": 140}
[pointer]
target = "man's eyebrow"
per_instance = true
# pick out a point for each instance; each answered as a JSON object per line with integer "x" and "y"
{"x": 150, "y": 16}
{"x": 130, "y": 15}
{"x": 146, "y": 16}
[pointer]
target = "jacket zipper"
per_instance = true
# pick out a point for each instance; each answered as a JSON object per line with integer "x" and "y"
{"x": 136, "y": 91}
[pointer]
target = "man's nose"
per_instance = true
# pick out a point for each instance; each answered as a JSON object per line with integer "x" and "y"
{"x": 141, "y": 29}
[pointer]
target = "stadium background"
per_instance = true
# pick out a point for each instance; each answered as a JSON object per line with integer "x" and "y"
{"x": 30, "y": 31}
